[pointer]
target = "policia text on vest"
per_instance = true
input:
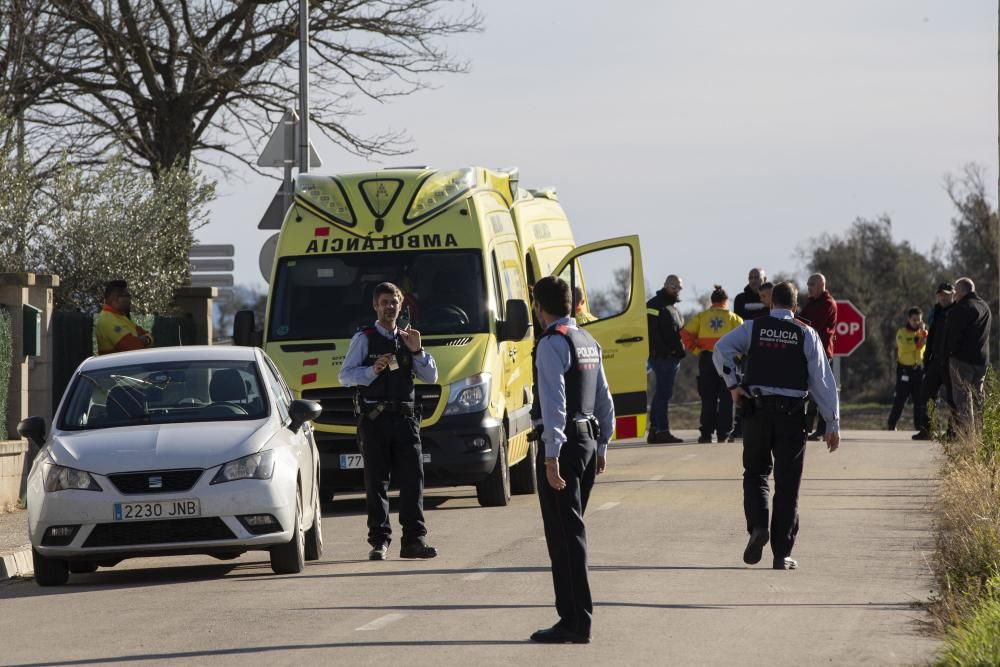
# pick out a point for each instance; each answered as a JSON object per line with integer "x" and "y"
{"x": 382, "y": 362}
{"x": 785, "y": 363}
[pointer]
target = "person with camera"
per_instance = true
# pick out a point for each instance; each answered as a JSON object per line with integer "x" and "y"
{"x": 785, "y": 363}
{"x": 574, "y": 407}
{"x": 381, "y": 362}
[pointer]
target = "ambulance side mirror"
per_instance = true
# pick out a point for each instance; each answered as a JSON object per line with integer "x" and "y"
{"x": 518, "y": 321}
{"x": 245, "y": 329}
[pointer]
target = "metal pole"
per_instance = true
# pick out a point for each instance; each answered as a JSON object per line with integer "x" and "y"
{"x": 303, "y": 86}
{"x": 287, "y": 187}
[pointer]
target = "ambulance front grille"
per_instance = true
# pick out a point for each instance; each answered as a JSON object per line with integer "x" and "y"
{"x": 338, "y": 403}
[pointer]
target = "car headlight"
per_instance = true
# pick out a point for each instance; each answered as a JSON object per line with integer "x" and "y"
{"x": 469, "y": 395}
{"x": 255, "y": 466}
{"x": 60, "y": 478}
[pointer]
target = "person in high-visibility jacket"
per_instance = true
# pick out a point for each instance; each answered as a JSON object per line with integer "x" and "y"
{"x": 700, "y": 335}
{"x": 115, "y": 330}
{"x": 910, "y": 345}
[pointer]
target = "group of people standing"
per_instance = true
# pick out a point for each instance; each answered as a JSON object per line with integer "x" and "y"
{"x": 948, "y": 354}
{"x": 671, "y": 339}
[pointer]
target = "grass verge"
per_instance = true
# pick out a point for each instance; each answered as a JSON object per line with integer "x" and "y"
{"x": 967, "y": 562}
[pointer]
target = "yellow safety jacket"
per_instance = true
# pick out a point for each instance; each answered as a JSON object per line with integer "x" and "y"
{"x": 115, "y": 332}
{"x": 704, "y": 329}
{"x": 910, "y": 346}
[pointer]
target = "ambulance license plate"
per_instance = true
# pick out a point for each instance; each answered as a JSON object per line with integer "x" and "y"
{"x": 351, "y": 461}
{"x": 161, "y": 509}
{"x": 357, "y": 462}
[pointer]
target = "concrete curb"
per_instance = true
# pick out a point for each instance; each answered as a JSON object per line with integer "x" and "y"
{"x": 16, "y": 564}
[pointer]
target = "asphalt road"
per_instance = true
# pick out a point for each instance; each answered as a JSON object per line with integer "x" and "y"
{"x": 666, "y": 539}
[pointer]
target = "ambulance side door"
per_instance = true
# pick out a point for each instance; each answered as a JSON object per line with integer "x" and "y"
{"x": 609, "y": 276}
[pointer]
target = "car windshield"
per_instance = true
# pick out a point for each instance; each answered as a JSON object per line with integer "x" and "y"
{"x": 330, "y": 296}
{"x": 164, "y": 393}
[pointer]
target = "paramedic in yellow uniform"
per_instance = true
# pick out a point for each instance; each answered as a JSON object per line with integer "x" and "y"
{"x": 700, "y": 335}
{"x": 910, "y": 345}
{"x": 116, "y": 332}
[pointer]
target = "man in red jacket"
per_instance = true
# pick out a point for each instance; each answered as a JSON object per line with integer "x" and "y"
{"x": 820, "y": 312}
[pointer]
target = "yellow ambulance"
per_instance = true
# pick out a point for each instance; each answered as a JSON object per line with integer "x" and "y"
{"x": 464, "y": 246}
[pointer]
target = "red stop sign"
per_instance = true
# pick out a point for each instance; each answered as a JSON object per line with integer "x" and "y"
{"x": 850, "y": 330}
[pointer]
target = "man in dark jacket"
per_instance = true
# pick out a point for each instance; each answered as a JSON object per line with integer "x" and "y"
{"x": 665, "y": 353}
{"x": 819, "y": 312}
{"x": 936, "y": 357}
{"x": 967, "y": 341}
{"x": 748, "y": 303}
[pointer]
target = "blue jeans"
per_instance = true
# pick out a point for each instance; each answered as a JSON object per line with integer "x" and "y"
{"x": 665, "y": 371}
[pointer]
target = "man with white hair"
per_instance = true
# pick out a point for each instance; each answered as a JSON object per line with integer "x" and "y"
{"x": 967, "y": 342}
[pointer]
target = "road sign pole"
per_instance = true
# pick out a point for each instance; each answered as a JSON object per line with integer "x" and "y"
{"x": 304, "y": 86}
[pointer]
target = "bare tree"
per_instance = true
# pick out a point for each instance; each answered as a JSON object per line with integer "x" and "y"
{"x": 168, "y": 81}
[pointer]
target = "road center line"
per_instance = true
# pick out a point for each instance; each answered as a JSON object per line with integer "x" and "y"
{"x": 607, "y": 506}
{"x": 656, "y": 478}
{"x": 380, "y": 622}
{"x": 475, "y": 576}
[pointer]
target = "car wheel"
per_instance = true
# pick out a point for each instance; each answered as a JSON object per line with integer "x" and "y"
{"x": 494, "y": 491}
{"x": 83, "y": 567}
{"x": 523, "y": 476}
{"x": 49, "y": 571}
{"x": 289, "y": 558}
{"x": 314, "y": 536}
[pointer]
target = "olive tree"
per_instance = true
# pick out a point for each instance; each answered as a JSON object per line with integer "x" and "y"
{"x": 119, "y": 223}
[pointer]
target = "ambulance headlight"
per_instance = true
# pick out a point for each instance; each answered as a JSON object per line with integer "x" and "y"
{"x": 469, "y": 395}
{"x": 439, "y": 191}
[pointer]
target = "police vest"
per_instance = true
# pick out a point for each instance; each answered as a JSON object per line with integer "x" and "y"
{"x": 580, "y": 378}
{"x": 777, "y": 354}
{"x": 390, "y": 385}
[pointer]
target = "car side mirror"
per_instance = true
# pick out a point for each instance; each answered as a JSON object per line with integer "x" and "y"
{"x": 245, "y": 329}
{"x": 33, "y": 430}
{"x": 302, "y": 411}
{"x": 518, "y": 321}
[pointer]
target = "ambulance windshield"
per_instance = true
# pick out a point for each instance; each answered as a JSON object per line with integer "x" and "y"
{"x": 330, "y": 296}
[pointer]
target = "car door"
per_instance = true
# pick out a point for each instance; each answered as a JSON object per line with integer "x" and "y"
{"x": 609, "y": 277}
{"x": 302, "y": 440}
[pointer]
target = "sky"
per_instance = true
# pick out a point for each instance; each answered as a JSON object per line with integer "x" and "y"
{"x": 726, "y": 134}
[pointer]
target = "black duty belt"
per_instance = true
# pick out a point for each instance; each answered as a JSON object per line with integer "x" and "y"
{"x": 373, "y": 409}
{"x": 917, "y": 367}
{"x": 584, "y": 427}
{"x": 779, "y": 404}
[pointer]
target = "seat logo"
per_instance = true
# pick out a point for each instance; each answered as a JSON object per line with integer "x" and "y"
{"x": 156, "y": 482}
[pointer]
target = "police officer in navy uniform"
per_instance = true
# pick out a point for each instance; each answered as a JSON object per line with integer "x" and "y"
{"x": 381, "y": 362}
{"x": 785, "y": 362}
{"x": 574, "y": 409}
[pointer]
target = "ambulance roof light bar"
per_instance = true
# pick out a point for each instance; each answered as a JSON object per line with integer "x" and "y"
{"x": 546, "y": 193}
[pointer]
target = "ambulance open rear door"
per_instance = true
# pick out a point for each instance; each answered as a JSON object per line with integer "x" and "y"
{"x": 613, "y": 309}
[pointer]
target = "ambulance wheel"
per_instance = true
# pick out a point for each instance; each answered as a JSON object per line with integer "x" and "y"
{"x": 523, "y": 476}
{"x": 494, "y": 491}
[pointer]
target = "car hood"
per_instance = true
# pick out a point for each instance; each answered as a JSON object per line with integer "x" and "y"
{"x": 159, "y": 446}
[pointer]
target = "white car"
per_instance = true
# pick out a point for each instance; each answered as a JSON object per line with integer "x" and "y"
{"x": 181, "y": 450}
